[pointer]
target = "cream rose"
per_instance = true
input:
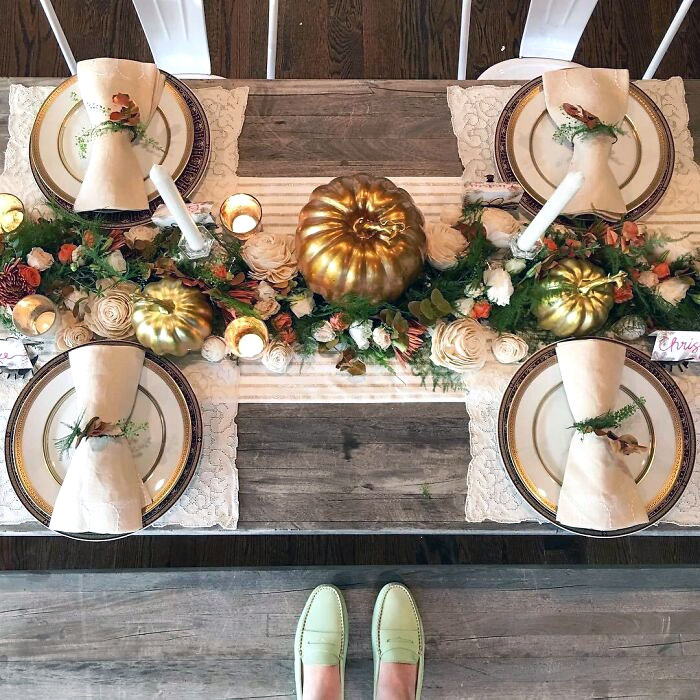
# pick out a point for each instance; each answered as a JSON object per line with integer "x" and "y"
{"x": 499, "y": 226}
{"x": 39, "y": 259}
{"x": 361, "y": 332}
{"x": 499, "y": 286}
{"x": 140, "y": 236}
{"x": 450, "y": 214}
{"x": 324, "y": 332}
{"x": 514, "y": 265}
{"x": 459, "y": 345}
{"x": 270, "y": 257}
{"x": 265, "y": 291}
{"x": 648, "y": 278}
{"x": 508, "y": 348}
{"x": 213, "y": 349}
{"x": 464, "y": 306}
{"x": 277, "y": 356}
{"x": 445, "y": 245}
{"x": 673, "y": 290}
{"x": 381, "y": 337}
{"x": 267, "y": 307}
{"x": 109, "y": 315}
{"x": 116, "y": 261}
{"x": 303, "y": 305}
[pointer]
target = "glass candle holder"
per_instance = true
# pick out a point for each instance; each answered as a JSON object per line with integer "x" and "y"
{"x": 36, "y": 316}
{"x": 11, "y": 212}
{"x": 246, "y": 337}
{"x": 241, "y": 215}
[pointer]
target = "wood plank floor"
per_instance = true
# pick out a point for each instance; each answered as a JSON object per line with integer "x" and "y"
{"x": 348, "y": 38}
{"x": 496, "y": 632}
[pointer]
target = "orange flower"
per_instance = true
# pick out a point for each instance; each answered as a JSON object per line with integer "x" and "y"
{"x": 662, "y": 270}
{"x": 481, "y": 309}
{"x": 631, "y": 234}
{"x": 288, "y": 335}
{"x": 219, "y": 271}
{"x": 281, "y": 322}
{"x": 30, "y": 275}
{"x": 89, "y": 238}
{"x": 610, "y": 237}
{"x": 623, "y": 293}
{"x": 549, "y": 243}
{"x": 339, "y": 321}
{"x": 65, "y": 253}
{"x": 634, "y": 273}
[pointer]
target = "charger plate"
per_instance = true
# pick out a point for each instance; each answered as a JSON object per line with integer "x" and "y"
{"x": 166, "y": 455}
{"x": 179, "y": 126}
{"x": 642, "y": 158}
{"x": 534, "y": 434}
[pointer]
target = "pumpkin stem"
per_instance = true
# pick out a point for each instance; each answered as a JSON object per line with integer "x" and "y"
{"x": 167, "y": 307}
{"x": 365, "y": 228}
{"x": 585, "y": 289}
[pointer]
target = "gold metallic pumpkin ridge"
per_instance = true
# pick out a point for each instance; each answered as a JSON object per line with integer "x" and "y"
{"x": 575, "y": 302}
{"x": 360, "y": 236}
{"x": 172, "y": 319}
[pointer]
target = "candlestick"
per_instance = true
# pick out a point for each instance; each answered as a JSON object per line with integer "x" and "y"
{"x": 241, "y": 215}
{"x": 196, "y": 241}
{"x": 11, "y": 212}
{"x": 36, "y": 316}
{"x": 246, "y": 337}
{"x": 528, "y": 242}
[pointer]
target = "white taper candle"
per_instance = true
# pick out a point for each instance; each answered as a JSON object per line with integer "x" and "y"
{"x": 554, "y": 206}
{"x": 160, "y": 177}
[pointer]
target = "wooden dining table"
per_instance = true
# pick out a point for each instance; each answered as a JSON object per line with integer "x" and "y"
{"x": 351, "y": 468}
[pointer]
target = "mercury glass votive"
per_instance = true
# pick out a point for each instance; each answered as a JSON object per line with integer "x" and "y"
{"x": 36, "y": 316}
{"x": 246, "y": 337}
{"x": 11, "y": 212}
{"x": 241, "y": 215}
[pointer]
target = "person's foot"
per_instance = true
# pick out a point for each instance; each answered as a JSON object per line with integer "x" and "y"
{"x": 397, "y": 645}
{"x": 320, "y": 646}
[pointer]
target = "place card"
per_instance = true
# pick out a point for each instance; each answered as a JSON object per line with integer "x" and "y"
{"x": 13, "y": 355}
{"x": 673, "y": 346}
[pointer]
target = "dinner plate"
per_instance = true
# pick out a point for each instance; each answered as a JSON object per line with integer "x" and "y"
{"x": 166, "y": 454}
{"x": 641, "y": 159}
{"x": 179, "y": 126}
{"x": 534, "y": 434}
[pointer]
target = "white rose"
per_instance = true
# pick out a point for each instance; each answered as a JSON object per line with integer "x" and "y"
{"x": 499, "y": 226}
{"x": 459, "y": 345}
{"x": 303, "y": 306}
{"x": 509, "y": 348}
{"x": 116, "y": 260}
{"x": 361, "y": 332}
{"x": 450, "y": 214}
{"x": 265, "y": 291}
{"x": 213, "y": 349}
{"x": 381, "y": 337}
{"x": 445, "y": 245}
{"x": 140, "y": 235}
{"x": 473, "y": 290}
{"x": 277, "y": 356}
{"x": 514, "y": 265}
{"x": 464, "y": 306}
{"x": 648, "y": 278}
{"x": 324, "y": 332}
{"x": 270, "y": 257}
{"x": 266, "y": 308}
{"x": 499, "y": 286}
{"x": 79, "y": 255}
{"x": 673, "y": 290}
{"x": 39, "y": 259}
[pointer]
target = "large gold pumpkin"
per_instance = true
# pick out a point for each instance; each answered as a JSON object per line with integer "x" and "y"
{"x": 360, "y": 236}
{"x": 172, "y": 319}
{"x": 577, "y": 299}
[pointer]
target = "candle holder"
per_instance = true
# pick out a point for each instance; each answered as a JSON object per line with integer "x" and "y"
{"x": 11, "y": 212}
{"x": 197, "y": 253}
{"x": 246, "y": 337}
{"x": 241, "y": 215}
{"x": 36, "y": 316}
{"x": 518, "y": 252}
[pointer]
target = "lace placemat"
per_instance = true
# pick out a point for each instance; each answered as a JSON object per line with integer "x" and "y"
{"x": 475, "y": 112}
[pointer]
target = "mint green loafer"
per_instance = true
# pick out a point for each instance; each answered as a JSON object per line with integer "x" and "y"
{"x": 397, "y": 632}
{"x": 322, "y": 634}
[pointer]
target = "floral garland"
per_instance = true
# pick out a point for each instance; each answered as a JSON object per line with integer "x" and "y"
{"x": 472, "y": 295}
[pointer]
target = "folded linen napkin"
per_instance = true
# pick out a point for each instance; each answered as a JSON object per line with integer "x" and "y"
{"x": 102, "y": 491}
{"x": 603, "y": 92}
{"x": 113, "y": 179}
{"x": 598, "y": 492}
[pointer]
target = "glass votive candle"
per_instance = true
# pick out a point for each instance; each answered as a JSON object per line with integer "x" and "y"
{"x": 11, "y": 212}
{"x": 241, "y": 215}
{"x": 36, "y": 316}
{"x": 246, "y": 337}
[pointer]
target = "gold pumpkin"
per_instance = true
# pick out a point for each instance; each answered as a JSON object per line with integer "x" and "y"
{"x": 360, "y": 236}
{"x": 577, "y": 298}
{"x": 172, "y": 319}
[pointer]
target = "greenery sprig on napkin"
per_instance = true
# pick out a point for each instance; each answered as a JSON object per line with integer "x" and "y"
{"x": 583, "y": 124}
{"x": 603, "y": 424}
{"x": 97, "y": 428}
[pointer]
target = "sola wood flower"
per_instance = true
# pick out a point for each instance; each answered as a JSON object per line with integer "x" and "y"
{"x": 459, "y": 345}
{"x": 270, "y": 257}
{"x": 73, "y": 336}
{"x": 445, "y": 245}
{"x": 277, "y": 356}
{"x": 509, "y": 348}
{"x": 109, "y": 315}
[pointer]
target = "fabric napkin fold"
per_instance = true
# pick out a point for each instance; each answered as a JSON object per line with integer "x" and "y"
{"x": 113, "y": 179}
{"x": 604, "y": 92}
{"x": 598, "y": 491}
{"x": 102, "y": 491}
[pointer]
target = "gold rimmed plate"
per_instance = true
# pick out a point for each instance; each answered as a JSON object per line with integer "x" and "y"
{"x": 166, "y": 454}
{"x": 179, "y": 127}
{"x": 534, "y": 434}
{"x": 641, "y": 160}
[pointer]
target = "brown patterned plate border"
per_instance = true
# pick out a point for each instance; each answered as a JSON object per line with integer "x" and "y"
{"x": 532, "y": 205}
{"x": 188, "y": 180}
{"x": 178, "y": 488}
{"x": 684, "y": 415}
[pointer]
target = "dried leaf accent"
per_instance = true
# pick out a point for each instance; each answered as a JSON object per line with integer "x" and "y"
{"x": 351, "y": 364}
{"x": 590, "y": 120}
{"x": 129, "y": 112}
{"x": 625, "y": 444}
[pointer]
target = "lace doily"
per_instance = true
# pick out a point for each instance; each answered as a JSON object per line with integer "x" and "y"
{"x": 212, "y": 496}
{"x": 475, "y": 111}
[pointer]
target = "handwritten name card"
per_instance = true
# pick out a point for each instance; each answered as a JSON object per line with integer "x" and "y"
{"x": 672, "y": 346}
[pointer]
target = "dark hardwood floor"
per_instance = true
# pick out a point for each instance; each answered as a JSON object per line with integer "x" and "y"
{"x": 348, "y": 38}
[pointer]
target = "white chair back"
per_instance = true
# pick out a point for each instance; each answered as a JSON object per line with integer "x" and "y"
{"x": 57, "y": 30}
{"x": 668, "y": 38}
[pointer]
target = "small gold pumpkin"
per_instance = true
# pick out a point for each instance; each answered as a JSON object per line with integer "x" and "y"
{"x": 577, "y": 298}
{"x": 171, "y": 319}
{"x": 360, "y": 236}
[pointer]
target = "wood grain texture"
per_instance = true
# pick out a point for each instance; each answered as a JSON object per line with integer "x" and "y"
{"x": 490, "y": 632}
